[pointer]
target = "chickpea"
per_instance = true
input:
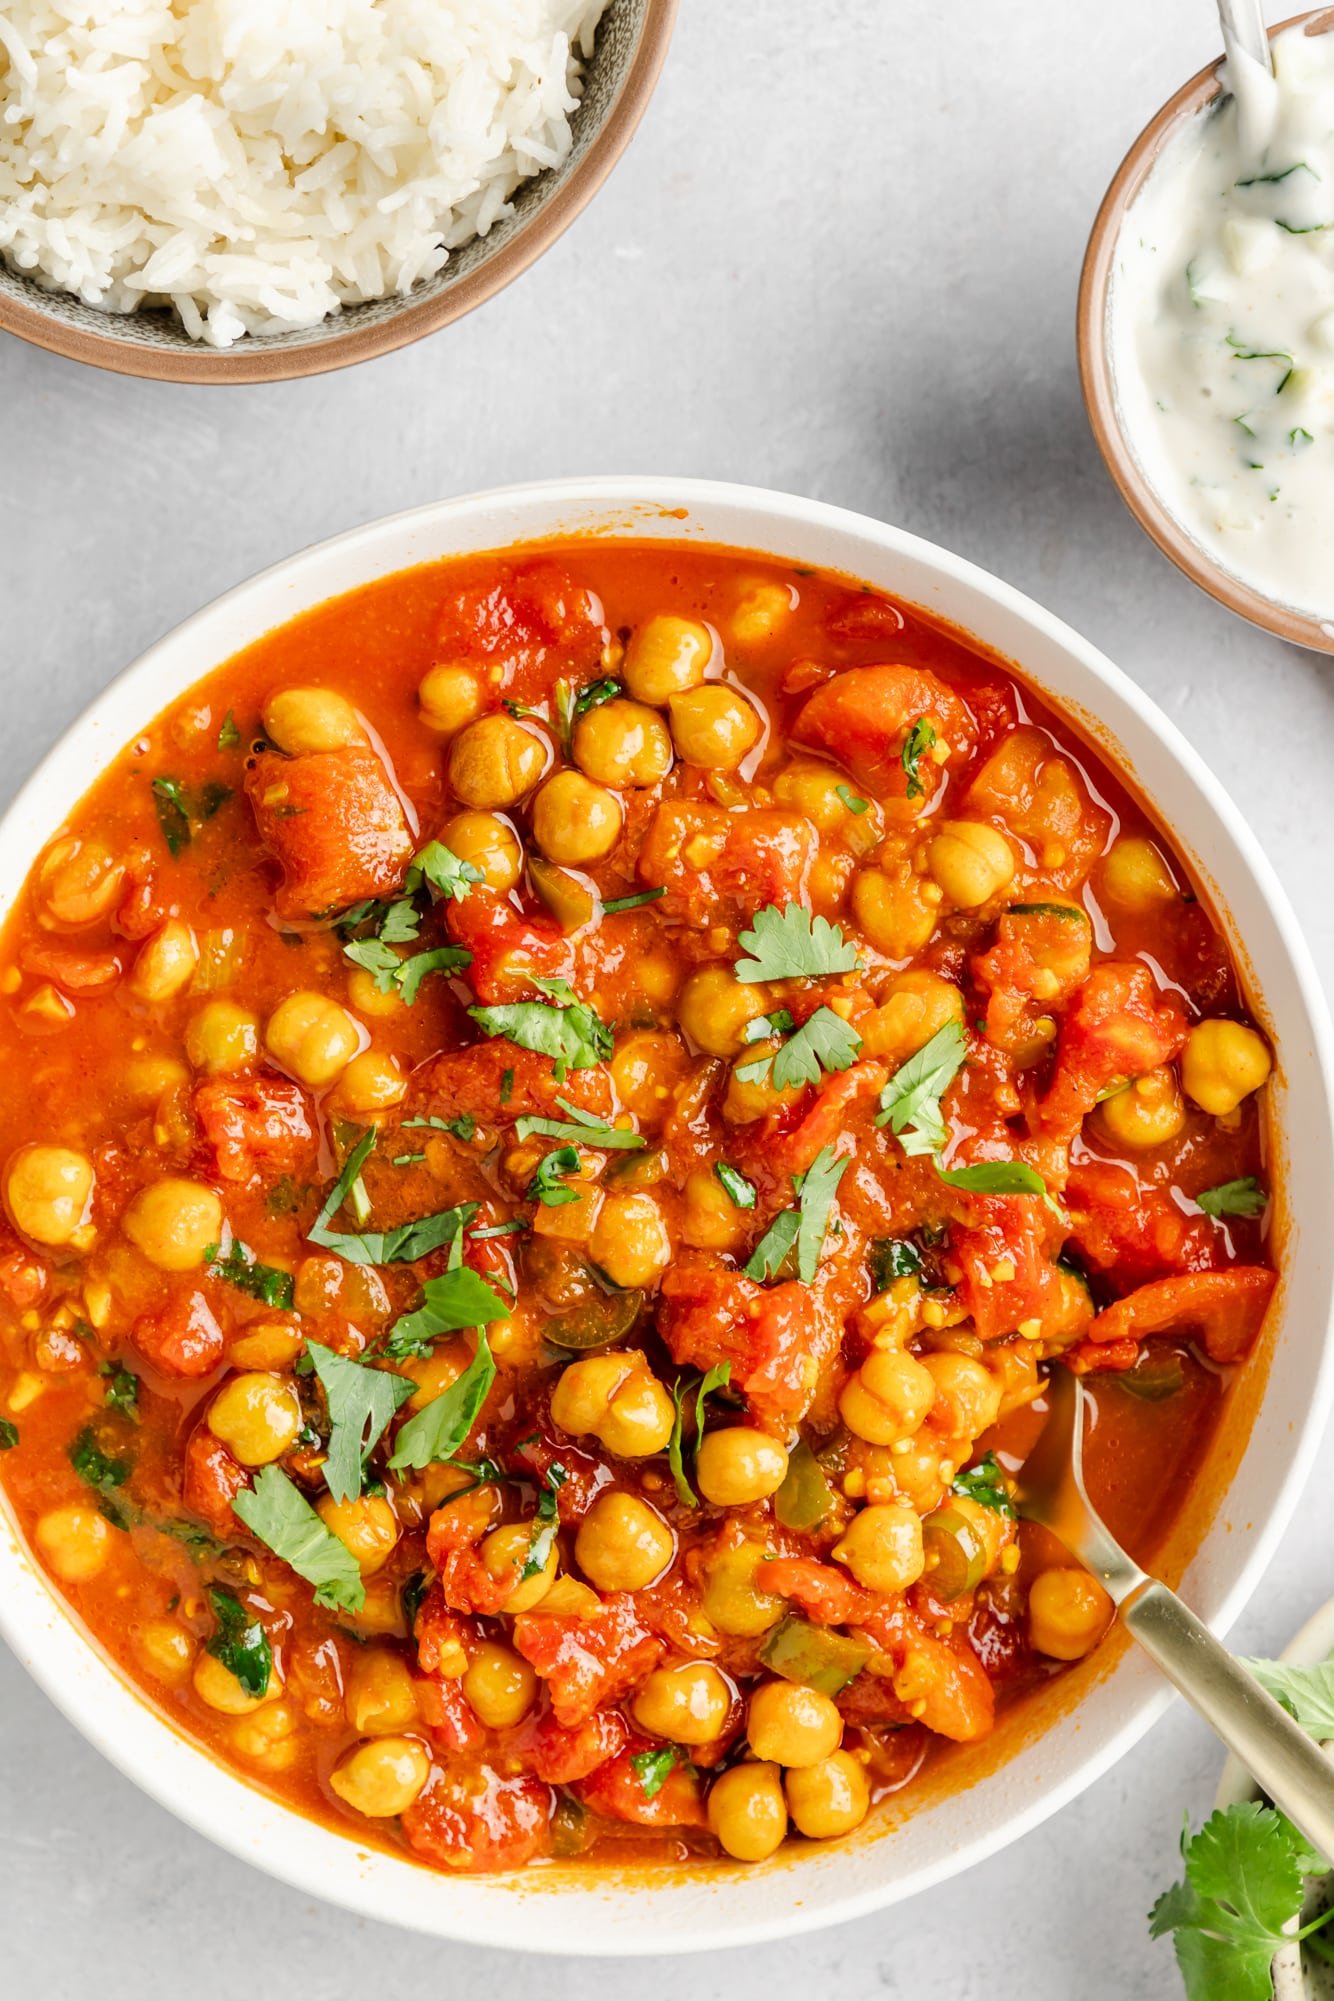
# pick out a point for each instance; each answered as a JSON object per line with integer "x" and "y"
{"x": 222, "y": 1037}
{"x": 372, "y": 1082}
{"x": 688, "y": 1704}
{"x": 505, "y": 1552}
{"x": 790, "y": 1724}
{"x": 713, "y": 727}
{"x": 257, "y": 1417}
{"x": 218, "y": 1687}
{"x": 1222, "y": 1063}
{"x": 271, "y": 1738}
{"x": 733, "y": 1600}
{"x": 489, "y": 843}
{"x": 764, "y": 608}
{"x": 830, "y": 1798}
{"x": 967, "y": 1395}
{"x": 78, "y": 883}
{"x": 149, "y": 1077}
{"x": 173, "y": 1222}
{"x": 889, "y": 1397}
{"x": 381, "y": 1696}
{"x": 1135, "y": 878}
{"x": 48, "y": 1190}
{"x": 645, "y": 1069}
{"x": 813, "y": 789}
{"x": 495, "y": 761}
{"x": 500, "y": 1685}
{"x": 300, "y": 720}
{"x": 1149, "y": 1112}
{"x": 715, "y": 1007}
{"x": 747, "y": 1811}
{"x": 739, "y": 1465}
{"x": 623, "y": 1544}
{"x": 574, "y": 820}
{"x": 712, "y": 1220}
{"x": 892, "y": 906}
{"x": 882, "y": 1547}
{"x": 367, "y": 998}
{"x": 270, "y": 1346}
{"x": 367, "y": 1526}
{"x": 630, "y": 1241}
{"x": 312, "y": 1037}
{"x": 916, "y": 1006}
{"x": 76, "y": 1542}
{"x": 622, "y": 744}
{"x": 382, "y": 1777}
{"x": 167, "y": 1650}
{"x": 618, "y": 1399}
{"x": 449, "y": 697}
{"x": 166, "y": 962}
{"x": 665, "y": 656}
{"x": 749, "y": 1098}
{"x": 971, "y": 861}
{"x": 1068, "y": 1613}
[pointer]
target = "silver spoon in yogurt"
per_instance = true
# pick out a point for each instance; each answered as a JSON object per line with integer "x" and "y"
{"x": 1249, "y": 71}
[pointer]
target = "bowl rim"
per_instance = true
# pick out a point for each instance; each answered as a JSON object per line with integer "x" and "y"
{"x": 236, "y": 1814}
{"x": 1097, "y": 376}
{"x": 258, "y": 358}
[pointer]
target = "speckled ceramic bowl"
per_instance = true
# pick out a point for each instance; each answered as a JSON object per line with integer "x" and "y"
{"x": 618, "y": 82}
{"x": 1098, "y": 376}
{"x": 1045, "y": 1751}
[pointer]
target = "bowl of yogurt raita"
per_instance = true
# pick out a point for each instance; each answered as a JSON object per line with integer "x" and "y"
{"x": 1206, "y": 332}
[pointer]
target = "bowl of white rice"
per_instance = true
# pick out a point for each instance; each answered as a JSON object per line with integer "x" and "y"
{"x": 249, "y": 190}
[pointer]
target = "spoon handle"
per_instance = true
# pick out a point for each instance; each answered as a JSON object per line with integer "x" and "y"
{"x": 1244, "y": 29}
{"x": 1280, "y": 1757}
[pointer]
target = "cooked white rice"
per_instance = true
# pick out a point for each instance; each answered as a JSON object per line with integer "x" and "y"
{"x": 256, "y": 164}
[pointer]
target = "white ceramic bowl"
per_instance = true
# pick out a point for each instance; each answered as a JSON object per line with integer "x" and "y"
{"x": 1047, "y": 1753}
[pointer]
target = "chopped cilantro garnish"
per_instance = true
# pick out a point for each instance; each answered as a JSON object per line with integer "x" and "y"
{"x": 563, "y": 1028}
{"x": 850, "y": 799}
{"x": 275, "y": 1511}
{"x": 241, "y": 1644}
{"x": 792, "y": 944}
{"x": 910, "y": 1101}
{"x": 437, "y": 1432}
{"x": 920, "y": 739}
{"x": 824, "y": 1042}
{"x": 9, "y": 1434}
{"x": 548, "y": 1185}
{"x": 455, "y": 1300}
{"x": 700, "y": 1388}
{"x": 122, "y": 1391}
{"x": 653, "y": 1768}
{"x": 240, "y": 1268}
{"x": 740, "y": 1192}
{"x": 1234, "y": 1198}
{"x": 229, "y": 736}
{"x": 546, "y": 1523}
{"x": 985, "y": 1484}
{"x": 464, "y": 1127}
{"x": 179, "y": 812}
{"x": 803, "y": 1227}
{"x": 633, "y": 902}
{"x": 362, "y": 1401}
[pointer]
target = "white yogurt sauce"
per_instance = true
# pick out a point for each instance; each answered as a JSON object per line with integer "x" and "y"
{"x": 1222, "y": 326}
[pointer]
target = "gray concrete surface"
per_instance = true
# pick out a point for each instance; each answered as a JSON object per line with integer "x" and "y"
{"x": 840, "y": 258}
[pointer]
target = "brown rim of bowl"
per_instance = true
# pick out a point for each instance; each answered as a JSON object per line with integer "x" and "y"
{"x": 251, "y": 361}
{"x": 1096, "y": 378}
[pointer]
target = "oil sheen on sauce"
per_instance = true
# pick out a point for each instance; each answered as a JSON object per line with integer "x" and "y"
{"x": 1222, "y": 325}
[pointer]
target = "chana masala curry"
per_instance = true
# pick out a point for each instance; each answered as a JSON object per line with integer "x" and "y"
{"x": 560, "y": 1110}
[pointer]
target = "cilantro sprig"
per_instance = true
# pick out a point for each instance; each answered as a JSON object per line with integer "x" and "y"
{"x": 403, "y": 1244}
{"x": 920, "y": 739}
{"x": 684, "y": 1388}
{"x": 362, "y": 1403}
{"x": 1245, "y": 1197}
{"x": 793, "y": 944}
{"x": 562, "y": 1027}
{"x": 824, "y": 1042}
{"x": 803, "y": 1228}
{"x": 986, "y": 1484}
{"x": 241, "y": 1268}
{"x": 550, "y": 1185}
{"x": 910, "y": 1101}
{"x": 435, "y": 869}
{"x": 241, "y": 1644}
{"x": 1244, "y": 1881}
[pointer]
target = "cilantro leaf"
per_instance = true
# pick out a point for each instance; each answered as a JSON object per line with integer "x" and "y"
{"x": 103, "y": 1472}
{"x": 803, "y": 1227}
{"x": 9, "y": 1434}
{"x": 985, "y": 1483}
{"x": 740, "y": 1192}
{"x": 122, "y": 1393}
{"x": 445, "y": 872}
{"x": 228, "y": 735}
{"x": 910, "y": 1101}
{"x": 240, "y": 1268}
{"x": 700, "y": 1387}
{"x": 890, "y": 1258}
{"x": 780, "y": 1022}
{"x": 283, "y": 1519}
{"x": 1243, "y": 1885}
{"x": 633, "y": 902}
{"x": 654, "y": 1767}
{"x": 823, "y": 1042}
{"x": 455, "y": 1300}
{"x": 401, "y": 1245}
{"x": 546, "y": 1523}
{"x": 464, "y": 1127}
{"x": 791, "y": 944}
{"x": 584, "y": 1128}
{"x": 920, "y": 739}
{"x": 850, "y": 799}
{"x": 437, "y": 1432}
{"x": 1305, "y": 1692}
{"x": 390, "y": 971}
{"x": 995, "y": 1177}
{"x": 567, "y": 1031}
{"x": 361, "y": 1404}
{"x": 547, "y": 1185}
{"x": 180, "y": 812}
{"x": 241, "y": 1644}
{"x": 1234, "y": 1198}
{"x": 594, "y": 694}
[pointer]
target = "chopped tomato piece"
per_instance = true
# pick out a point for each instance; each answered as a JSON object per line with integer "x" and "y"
{"x": 1118, "y": 1026}
{"x": 823, "y": 1118}
{"x": 76, "y": 971}
{"x": 441, "y": 1638}
{"x": 1129, "y": 1231}
{"x": 255, "y": 1125}
{"x": 617, "y": 1790}
{"x": 562, "y": 1756}
{"x": 181, "y": 1338}
{"x": 590, "y": 1659}
{"x": 719, "y": 868}
{"x": 940, "y": 1682}
{"x": 1223, "y": 1309}
{"x": 825, "y": 1595}
{"x": 509, "y": 952}
{"x": 211, "y": 1481}
{"x": 1042, "y": 797}
{"x": 533, "y": 620}
{"x": 453, "y": 1723}
{"x": 471, "y": 1818}
{"x": 1038, "y": 959}
{"x": 777, "y": 1338}
{"x": 473, "y": 1081}
{"x": 864, "y": 717}
{"x": 334, "y": 824}
{"x": 1009, "y": 1274}
{"x": 23, "y": 1277}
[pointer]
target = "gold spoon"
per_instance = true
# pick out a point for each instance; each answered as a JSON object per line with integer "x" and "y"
{"x": 1278, "y": 1754}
